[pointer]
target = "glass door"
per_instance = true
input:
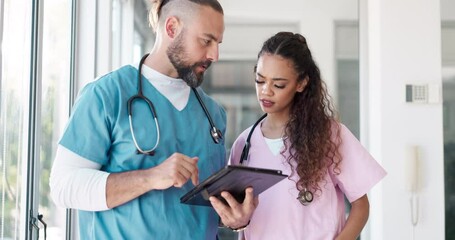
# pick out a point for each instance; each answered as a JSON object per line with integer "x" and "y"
{"x": 55, "y": 83}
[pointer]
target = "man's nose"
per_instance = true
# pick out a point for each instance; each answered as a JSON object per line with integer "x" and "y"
{"x": 213, "y": 53}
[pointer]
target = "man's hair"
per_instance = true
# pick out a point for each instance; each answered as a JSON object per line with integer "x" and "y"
{"x": 161, "y": 9}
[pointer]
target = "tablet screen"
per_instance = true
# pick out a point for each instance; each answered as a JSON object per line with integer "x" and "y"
{"x": 233, "y": 179}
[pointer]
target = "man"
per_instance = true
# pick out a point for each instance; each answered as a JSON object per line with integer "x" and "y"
{"x": 126, "y": 173}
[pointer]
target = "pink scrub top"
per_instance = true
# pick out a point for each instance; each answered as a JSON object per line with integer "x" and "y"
{"x": 280, "y": 215}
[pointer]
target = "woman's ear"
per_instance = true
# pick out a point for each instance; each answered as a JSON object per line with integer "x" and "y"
{"x": 302, "y": 84}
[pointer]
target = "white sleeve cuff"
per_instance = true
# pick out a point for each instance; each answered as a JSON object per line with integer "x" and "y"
{"x": 76, "y": 182}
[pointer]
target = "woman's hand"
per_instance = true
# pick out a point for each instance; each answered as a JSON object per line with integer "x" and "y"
{"x": 235, "y": 215}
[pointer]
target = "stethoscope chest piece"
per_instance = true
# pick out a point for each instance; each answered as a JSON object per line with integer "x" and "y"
{"x": 305, "y": 197}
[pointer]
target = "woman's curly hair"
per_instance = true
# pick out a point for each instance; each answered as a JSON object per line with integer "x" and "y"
{"x": 312, "y": 137}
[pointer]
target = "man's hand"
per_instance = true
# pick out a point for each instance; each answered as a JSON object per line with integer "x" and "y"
{"x": 236, "y": 215}
{"x": 175, "y": 171}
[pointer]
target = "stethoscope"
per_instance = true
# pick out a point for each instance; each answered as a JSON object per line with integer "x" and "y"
{"x": 305, "y": 197}
{"x": 214, "y": 132}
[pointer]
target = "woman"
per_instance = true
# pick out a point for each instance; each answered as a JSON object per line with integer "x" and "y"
{"x": 301, "y": 136}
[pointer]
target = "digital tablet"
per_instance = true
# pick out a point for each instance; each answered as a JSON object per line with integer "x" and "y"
{"x": 233, "y": 179}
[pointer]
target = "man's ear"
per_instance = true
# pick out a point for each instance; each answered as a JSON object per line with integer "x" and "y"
{"x": 172, "y": 26}
{"x": 301, "y": 85}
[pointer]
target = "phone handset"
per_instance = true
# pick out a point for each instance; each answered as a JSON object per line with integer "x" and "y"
{"x": 413, "y": 180}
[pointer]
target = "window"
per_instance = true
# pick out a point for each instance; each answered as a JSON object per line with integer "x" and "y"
{"x": 34, "y": 84}
{"x": 15, "y": 23}
{"x": 347, "y": 68}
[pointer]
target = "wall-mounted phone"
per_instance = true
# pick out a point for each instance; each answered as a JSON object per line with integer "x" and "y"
{"x": 413, "y": 176}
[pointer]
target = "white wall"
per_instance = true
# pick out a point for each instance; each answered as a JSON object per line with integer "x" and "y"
{"x": 404, "y": 48}
{"x": 85, "y": 50}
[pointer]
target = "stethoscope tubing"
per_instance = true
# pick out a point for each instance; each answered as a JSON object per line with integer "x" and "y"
{"x": 214, "y": 132}
{"x": 246, "y": 148}
{"x": 151, "y": 151}
{"x": 140, "y": 95}
{"x": 305, "y": 197}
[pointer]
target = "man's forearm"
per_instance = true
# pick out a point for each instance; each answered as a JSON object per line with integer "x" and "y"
{"x": 125, "y": 186}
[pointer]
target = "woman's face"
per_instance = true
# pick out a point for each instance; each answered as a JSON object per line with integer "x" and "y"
{"x": 276, "y": 83}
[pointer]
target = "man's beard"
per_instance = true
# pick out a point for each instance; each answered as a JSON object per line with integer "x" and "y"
{"x": 176, "y": 54}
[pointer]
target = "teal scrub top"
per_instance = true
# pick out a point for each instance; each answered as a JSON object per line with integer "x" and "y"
{"x": 98, "y": 130}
